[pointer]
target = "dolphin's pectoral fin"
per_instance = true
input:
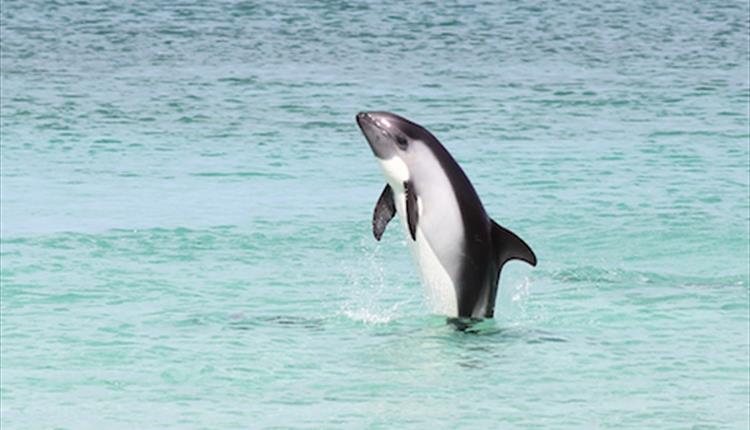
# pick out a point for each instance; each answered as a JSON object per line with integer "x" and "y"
{"x": 412, "y": 211}
{"x": 385, "y": 209}
{"x": 508, "y": 246}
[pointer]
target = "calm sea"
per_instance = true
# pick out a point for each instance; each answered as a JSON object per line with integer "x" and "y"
{"x": 186, "y": 201}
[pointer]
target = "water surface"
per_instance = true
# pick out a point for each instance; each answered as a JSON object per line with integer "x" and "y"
{"x": 186, "y": 201}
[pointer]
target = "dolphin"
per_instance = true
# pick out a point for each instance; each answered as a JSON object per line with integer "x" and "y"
{"x": 459, "y": 250}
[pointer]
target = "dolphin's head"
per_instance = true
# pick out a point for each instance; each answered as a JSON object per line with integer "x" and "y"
{"x": 395, "y": 141}
{"x": 388, "y": 134}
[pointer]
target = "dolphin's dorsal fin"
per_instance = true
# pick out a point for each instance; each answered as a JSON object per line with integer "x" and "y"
{"x": 508, "y": 246}
{"x": 412, "y": 211}
{"x": 383, "y": 213}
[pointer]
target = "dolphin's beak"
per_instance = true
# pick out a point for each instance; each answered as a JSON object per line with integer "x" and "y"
{"x": 363, "y": 117}
{"x": 373, "y": 134}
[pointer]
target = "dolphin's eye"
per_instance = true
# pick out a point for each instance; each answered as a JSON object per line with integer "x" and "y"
{"x": 401, "y": 140}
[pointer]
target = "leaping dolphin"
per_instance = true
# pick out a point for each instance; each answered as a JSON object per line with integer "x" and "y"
{"x": 458, "y": 248}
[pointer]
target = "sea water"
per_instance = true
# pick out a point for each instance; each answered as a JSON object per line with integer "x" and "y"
{"x": 186, "y": 204}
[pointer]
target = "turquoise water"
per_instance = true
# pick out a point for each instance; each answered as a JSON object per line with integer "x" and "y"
{"x": 186, "y": 202}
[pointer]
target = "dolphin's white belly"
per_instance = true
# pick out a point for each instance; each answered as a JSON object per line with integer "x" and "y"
{"x": 436, "y": 280}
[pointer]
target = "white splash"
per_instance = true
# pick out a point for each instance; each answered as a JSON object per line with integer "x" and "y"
{"x": 368, "y": 290}
{"x": 521, "y": 291}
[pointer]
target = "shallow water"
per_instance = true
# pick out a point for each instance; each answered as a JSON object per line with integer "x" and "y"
{"x": 186, "y": 206}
